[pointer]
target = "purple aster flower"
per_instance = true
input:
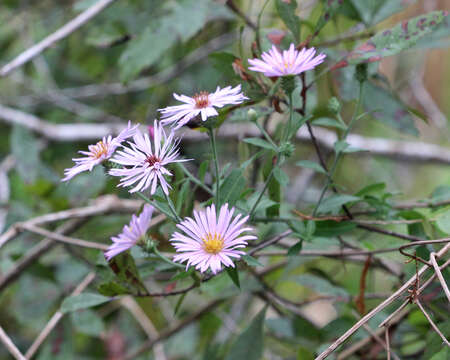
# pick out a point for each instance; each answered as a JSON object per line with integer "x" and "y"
{"x": 144, "y": 163}
{"x": 208, "y": 241}
{"x": 202, "y": 103}
{"x": 290, "y": 62}
{"x": 99, "y": 152}
{"x": 131, "y": 234}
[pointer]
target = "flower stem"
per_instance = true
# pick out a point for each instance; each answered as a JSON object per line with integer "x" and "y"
{"x": 339, "y": 154}
{"x": 212, "y": 137}
{"x": 159, "y": 208}
{"x": 165, "y": 259}
{"x": 266, "y": 184}
{"x": 172, "y": 207}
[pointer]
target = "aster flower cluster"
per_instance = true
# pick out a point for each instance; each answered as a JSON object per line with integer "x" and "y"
{"x": 208, "y": 240}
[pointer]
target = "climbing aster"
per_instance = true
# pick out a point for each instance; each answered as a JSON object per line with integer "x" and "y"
{"x": 208, "y": 241}
{"x": 144, "y": 163}
{"x": 202, "y": 103}
{"x": 290, "y": 62}
{"x": 98, "y": 153}
{"x": 131, "y": 234}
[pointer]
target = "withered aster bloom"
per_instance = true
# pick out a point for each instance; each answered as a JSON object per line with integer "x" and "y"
{"x": 202, "y": 103}
{"x": 290, "y": 62}
{"x": 132, "y": 233}
{"x": 208, "y": 241}
{"x": 144, "y": 163}
{"x": 99, "y": 152}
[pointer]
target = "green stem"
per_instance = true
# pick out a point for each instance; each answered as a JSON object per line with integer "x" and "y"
{"x": 266, "y": 184}
{"x": 165, "y": 259}
{"x": 339, "y": 154}
{"x": 212, "y": 137}
{"x": 159, "y": 208}
{"x": 172, "y": 207}
{"x": 195, "y": 180}
{"x": 266, "y": 135}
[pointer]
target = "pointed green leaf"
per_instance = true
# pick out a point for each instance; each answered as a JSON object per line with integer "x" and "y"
{"x": 82, "y": 301}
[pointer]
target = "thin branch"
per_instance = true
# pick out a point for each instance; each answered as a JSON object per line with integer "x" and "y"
{"x": 56, "y": 318}
{"x": 405, "y": 150}
{"x": 433, "y": 325}
{"x": 269, "y": 242}
{"x": 174, "y": 329}
{"x": 232, "y": 6}
{"x": 61, "y": 33}
{"x": 379, "y": 308}
{"x": 13, "y": 350}
{"x": 439, "y": 275}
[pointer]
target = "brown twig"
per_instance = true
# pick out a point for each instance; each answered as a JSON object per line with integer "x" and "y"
{"x": 433, "y": 325}
{"x": 360, "y": 304}
{"x": 61, "y": 33}
{"x": 439, "y": 275}
{"x": 12, "y": 348}
{"x": 56, "y": 318}
{"x": 232, "y": 6}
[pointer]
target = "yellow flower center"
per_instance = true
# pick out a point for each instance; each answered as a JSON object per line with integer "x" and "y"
{"x": 213, "y": 244}
{"x": 99, "y": 149}
{"x": 201, "y": 100}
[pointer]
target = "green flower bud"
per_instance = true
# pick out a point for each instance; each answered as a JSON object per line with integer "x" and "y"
{"x": 288, "y": 83}
{"x": 252, "y": 115}
{"x": 361, "y": 72}
{"x": 287, "y": 149}
{"x": 334, "y": 105}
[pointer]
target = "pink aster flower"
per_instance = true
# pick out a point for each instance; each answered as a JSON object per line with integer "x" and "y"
{"x": 290, "y": 62}
{"x": 131, "y": 234}
{"x": 208, "y": 241}
{"x": 144, "y": 163}
{"x": 202, "y": 103}
{"x": 98, "y": 153}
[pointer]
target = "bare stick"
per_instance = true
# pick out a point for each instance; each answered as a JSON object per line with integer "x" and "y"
{"x": 404, "y": 150}
{"x": 35, "y": 252}
{"x": 433, "y": 325}
{"x": 63, "y": 238}
{"x": 13, "y": 350}
{"x": 388, "y": 343}
{"x": 439, "y": 275}
{"x": 377, "y": 309}
{"x": 61, "y": 33}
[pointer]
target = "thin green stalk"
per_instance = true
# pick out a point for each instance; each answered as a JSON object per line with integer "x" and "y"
{"x": 165, "y": 259}
{"x": 266, "y": 184}
{"x": 159, "y": 208}
{"x": 339, "y": 154}
{"x": 172, "y": 207}
{"x": 212, "y": 137}
{"x": 195, "y": 180}
{"x": 266, "y": 135}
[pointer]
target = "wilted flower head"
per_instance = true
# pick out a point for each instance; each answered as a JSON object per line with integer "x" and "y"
{"x": 208, "y": 241}
{"x": 290, "y": 62}
{"x": 202, "y": 103}
{"x": 99, "y": 152}
{"x": 132, "y": 233}
{"x": 144, "y": 163}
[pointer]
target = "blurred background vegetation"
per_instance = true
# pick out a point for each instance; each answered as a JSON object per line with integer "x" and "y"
{"x": 124, "y": 65}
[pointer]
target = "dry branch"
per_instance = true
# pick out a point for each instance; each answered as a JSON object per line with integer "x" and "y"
{"x": 406, "y": 150}
{"x": 13, "y": 350}
{"x": 61, "y": 33}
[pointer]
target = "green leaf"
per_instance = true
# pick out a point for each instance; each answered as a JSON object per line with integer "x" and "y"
{"x": 232, "y": 187}
{"x": 112, "y": 288}
{"x": 387, "y": 108}
{"x": 330, "y": 8}
{"x": 392, "y": 41}
{"x": 334, "y": 202}
{"x": 324, "y": 121}
{"x": 260, "y": 143}
{"x": 443, "y": 219}
{"x": 294, "y": 250}
{"x": 444, "y": 354}
{"x": 304, "y": 354}
{"x": 223, "y": 62}
{"x": 251, "y": 261}
{"x": 24, "y": 147}
{"x": 82, "y": 301}
{"x": 372, "y": 12}
{"x": 233, "y": 275}
{"x": 319, "y": 285}
{"x": 125, "y": 269}
{"x": 202, "y": 169}
{"x": 372, "y": 188}
{"x": 286, "y": 10}
{"x": 249, "y": 345}
{"x": 281, "y": 176}
{"x": 87, "y": 322}
{"x": 331, "y": 228}
{"x": 311, "y": 165}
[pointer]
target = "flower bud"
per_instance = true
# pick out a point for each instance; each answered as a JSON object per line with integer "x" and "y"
{"x": 287, "y": 149}
{"x": 288, "y": 83}
{"x": 361, "y": 72}
{"x": 334, "y": 105}
{"x": 252, "y": 115}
